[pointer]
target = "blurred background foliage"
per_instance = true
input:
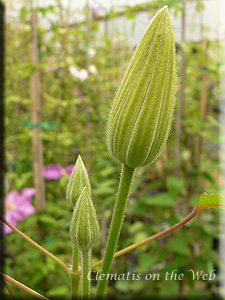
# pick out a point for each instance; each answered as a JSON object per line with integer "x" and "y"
{"x": 74, "y": 113}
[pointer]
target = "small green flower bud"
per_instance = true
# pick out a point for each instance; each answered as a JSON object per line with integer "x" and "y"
{"x": 141, "y": 114}
{"x": 78, "y": 180}
{"x": 84, "y": 228}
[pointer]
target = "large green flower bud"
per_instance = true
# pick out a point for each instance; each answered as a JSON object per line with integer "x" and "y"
{"x": 84, "y": 228}
{"x": 141, "y": 115}
{"x": 78, "y": 180}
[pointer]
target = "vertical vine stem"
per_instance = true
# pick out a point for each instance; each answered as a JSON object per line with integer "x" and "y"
{"x": 86, "y": 267}
{"x": 75, "y": 278}
{"x": 126, "y": 179}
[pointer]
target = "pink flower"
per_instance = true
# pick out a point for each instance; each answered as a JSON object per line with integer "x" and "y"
{"x": 51, "y": 59}
{"x": 81, "y": 74}
{"x": 51, "y": 67}
{"x": 55, "y": 171}
{"x": 77, "y": 93}
{"x": 18, "y": 206}
{"x": 52, "y": 172}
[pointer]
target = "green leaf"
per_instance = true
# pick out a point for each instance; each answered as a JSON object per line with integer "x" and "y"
{"x": 140, "y": 236}
{"x": 107, "y": 171}
{"x": 162, "y": 199}
{"x": 103, "y": 191}
{"x": 58, "y": 291}
{"x": 208, "y": 177}
{"x": 179, "y": 260}
{"x": 146, "y": 260}
{"x": 183, "y": 242}
{"x": 169, "y": 288}
{"x": 135, "y": 227}
{"x": 211, "y": 200}
{"x": 48, "y": 220}
{"x": 122, "y": 286}
{"x": 136, "y": 285}
{"x": 175, "y": 185}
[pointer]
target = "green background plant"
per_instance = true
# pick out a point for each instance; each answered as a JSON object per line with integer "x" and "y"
{"x": 74, "y": 124}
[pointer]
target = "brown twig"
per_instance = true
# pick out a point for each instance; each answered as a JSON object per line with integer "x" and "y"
{"x": 24, "y": 236}
{"x": 9, "y": 288}
{"x": 153, "y": 237}
{"x": 24, "y": 287}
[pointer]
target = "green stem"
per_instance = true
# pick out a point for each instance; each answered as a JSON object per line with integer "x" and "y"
{"x": 116, "y": 224}
{"x": 75, "y": 258}
{"x": 86, "y": 267}
{"x": 75, "y": 277}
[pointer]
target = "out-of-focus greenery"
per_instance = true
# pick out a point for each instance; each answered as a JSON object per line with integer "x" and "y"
{"x": 74, "y": 116}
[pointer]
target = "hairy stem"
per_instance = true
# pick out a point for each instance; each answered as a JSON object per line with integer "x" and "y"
{"x": 116, "y": 224}
{"x": 86, "y": 267}
{"x": 75, "y": 278}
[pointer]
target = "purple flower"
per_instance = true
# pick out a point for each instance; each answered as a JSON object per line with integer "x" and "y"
{"x": 97, "y": 9}
{"x": 52, "y": 172}
{"x": 18, "y": 206}
{"x": 81, "y": 74}
{"x": 69, "y": 169}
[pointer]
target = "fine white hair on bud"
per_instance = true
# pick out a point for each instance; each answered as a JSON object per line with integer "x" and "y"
{"x": 84, "y": 228}
{"x": 78, "y": 180}
{"x": 142, "y": 111}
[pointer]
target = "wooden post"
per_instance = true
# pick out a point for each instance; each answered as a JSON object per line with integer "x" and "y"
{"x": 87, "y": 107}
{"x": 36, "y": 116}
{"x": 64, "y": 24}
{"x": 203, "y": 98}
{"x": 181, "y": 96}
{"x": 203, "y": 104}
